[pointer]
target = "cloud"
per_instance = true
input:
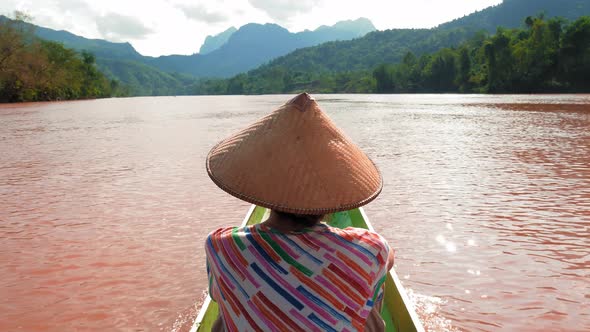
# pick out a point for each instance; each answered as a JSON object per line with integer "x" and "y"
{"x": 283, "y": 10}
{"x": 118, "y": 27}
{"x": 202, "y": 14}
{"x": 74, "y": 6}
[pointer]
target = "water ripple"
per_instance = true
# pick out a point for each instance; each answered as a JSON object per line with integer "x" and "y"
{"x": 105, "y": 204}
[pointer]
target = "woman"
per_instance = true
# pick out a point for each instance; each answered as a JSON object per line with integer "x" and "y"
{"x": 292, "y": 272}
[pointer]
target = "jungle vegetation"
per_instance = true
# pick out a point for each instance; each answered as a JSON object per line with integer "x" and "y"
{"x": 33, "y": 69}
{"x": 544, "y": 56}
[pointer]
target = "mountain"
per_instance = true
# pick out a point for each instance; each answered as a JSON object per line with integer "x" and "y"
{"x": 390, "y": 46}
{"x": 214, "y": 42}
{"x": 100, "y": 48}
{"x": 143, "y": 80}
{"x": 546, "y": 55}
{"x": 247, "y": 48}
{"x": 377, "y": 47}
{"x": 255, "y": 44}
{"x": 119, "y": 61}
{"x": 342, "y": 30}
{"x": 511, "y": 13}
{"x": 243, "y": 50}
{"x": 344, "y": 47}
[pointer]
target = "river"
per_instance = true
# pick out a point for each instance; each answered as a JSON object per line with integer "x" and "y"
{"x": 105, "y": 205}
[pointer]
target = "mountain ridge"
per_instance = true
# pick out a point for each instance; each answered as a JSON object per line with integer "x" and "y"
{"x": 214, "y": 42}
{"x": 147, "y": 75}
{"x": 256, "y": 44}
{"x": 389, "y": 46}
{"x": 262, "y": 54}
{"x": 510, "y": 13}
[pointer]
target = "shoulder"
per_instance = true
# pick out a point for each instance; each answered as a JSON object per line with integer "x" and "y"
{"x": 220, "y": 233}
{"x": 364, "y": 235}
{"x": 365, "y": 238}
{"x": 218, "y": 236}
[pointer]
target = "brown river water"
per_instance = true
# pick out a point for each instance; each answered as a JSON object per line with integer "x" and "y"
{"x": 105, "y": 205}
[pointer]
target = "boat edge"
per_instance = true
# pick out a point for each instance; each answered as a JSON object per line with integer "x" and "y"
{"x": 208, "y": 300}
{"x": 401, "y": 290}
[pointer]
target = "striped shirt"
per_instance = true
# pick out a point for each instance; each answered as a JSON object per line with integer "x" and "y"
{"x": 320, "y": 279}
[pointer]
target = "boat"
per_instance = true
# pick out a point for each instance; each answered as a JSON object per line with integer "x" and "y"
{"x": 397, "y": 311}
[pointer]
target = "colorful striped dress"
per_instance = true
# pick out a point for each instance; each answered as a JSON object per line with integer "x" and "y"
{"x": 320, "y": 279}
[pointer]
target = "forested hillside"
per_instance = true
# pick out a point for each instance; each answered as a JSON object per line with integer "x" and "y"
{"x": 390, "y": 46}
{"x": 142, "y": 80}
{"x": 509, "y": 13}
{"x": 544, "y": 56}
{"x": 33, "y": 69}
{"x": 364, "y": 53}
{"x": 100, "y": 48}
{"x": 245, "y": 49}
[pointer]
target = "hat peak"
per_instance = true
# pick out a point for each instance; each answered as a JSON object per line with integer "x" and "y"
{"x": 301, "y": 100}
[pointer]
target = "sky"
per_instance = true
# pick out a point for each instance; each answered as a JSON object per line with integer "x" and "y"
{"x": 163, "y": 27}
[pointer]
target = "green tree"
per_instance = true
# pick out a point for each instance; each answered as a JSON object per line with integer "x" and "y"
{"x": 499, "y": 62}
{"x": 439, "y": 74}
{"x": 235, "y": 85}
{"x": 464, "y": 70}
{"x": 32, "y": 69}
{"x": 575, "y": 54}
{"x": 383, "y": 79}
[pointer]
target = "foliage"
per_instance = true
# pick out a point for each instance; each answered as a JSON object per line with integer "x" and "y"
{"x": 365, "y": 53}
{"x": 509, "y": 13}
{"x": 138, "y": 79}
{"x": 546, "y": 56}
{"x": 33, "y": 70}
{"x": 390, "y": 46}
{"x": 348, "y": 65}
{"x": 543, "y": 56}
{"x": 342, "y": 66}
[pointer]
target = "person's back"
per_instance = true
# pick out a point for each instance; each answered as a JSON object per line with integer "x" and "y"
{"x": 321, "y": 278}
{"x": 280, "y": 276}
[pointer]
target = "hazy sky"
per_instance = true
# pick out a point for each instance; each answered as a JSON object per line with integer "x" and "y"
{"x": 160, "y": 27}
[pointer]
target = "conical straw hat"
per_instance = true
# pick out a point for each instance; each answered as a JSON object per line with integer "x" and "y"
{"x": 295, "y": 160}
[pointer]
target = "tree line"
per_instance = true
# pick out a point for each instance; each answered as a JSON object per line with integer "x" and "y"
{"x": 543, "y": 56}
{"x": 32, "y": 69}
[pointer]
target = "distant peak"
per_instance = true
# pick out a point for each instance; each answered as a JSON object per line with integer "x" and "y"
{"x": 258, "y": 28}
{"x": 261, "y": 25}
{"x": 360, "y": 26}
{"x": 361, "y": 21}
{"x": 212, "y": 43}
